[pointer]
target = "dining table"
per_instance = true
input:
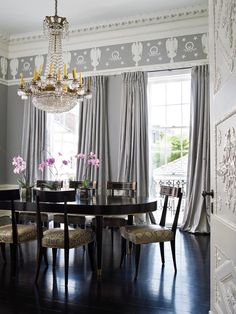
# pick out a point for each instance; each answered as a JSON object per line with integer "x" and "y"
{"x": 97, "y": 206}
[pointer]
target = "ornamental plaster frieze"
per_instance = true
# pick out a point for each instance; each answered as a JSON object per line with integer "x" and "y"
{"x": 159, "y": 53}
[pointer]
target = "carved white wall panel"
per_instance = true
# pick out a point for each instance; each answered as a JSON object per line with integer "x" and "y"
{"x": 220, "y": 257}
{"x": 225, "y": 296}
{"x": 226, "y": 168}
{"x": 225, "y": 41}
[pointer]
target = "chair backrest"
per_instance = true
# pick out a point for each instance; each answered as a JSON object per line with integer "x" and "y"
{"x": 55, "y": 185}
{"x": 128, "y": 188}
{"x": 170, "y": 191}
{"x": 54, "y": 197}
{"x": 77, "y": 184}
{"x": 11, "y": 196}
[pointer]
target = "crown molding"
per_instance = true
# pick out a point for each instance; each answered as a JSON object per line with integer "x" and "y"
{"x": 117, "y": 24}
{"x": 143, "y": 20}
{"x": 4, "y": 44}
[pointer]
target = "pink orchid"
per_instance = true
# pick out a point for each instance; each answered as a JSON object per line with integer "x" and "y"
{"x": 42, "y": 165}
{"x": 55, "y": 165}
{"x": 80, "y": 156}
{"x": 93, "y": 162}
{"x": 92, "y": 155}
{"x": 65, "y": 162}
{"x": 19, "y": 168}
{"x": 19, "y": 164}
{"x": 50, "y": 161}
{"x": 90, "y": 161}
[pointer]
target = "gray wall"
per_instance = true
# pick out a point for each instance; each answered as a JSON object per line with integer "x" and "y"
{"x": 3, "y": 125}
{"x": 15, "y": 111}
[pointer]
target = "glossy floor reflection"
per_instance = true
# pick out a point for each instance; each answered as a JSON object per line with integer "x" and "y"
{"x": 157, "y": 289}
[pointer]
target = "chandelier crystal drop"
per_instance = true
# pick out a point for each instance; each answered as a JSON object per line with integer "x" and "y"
{"x": 56, "y": 93}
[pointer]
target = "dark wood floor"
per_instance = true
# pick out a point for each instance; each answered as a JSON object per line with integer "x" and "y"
{"x": 157, "y": 289}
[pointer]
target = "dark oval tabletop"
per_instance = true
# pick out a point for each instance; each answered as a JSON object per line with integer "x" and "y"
{"x": 96, "y": 205}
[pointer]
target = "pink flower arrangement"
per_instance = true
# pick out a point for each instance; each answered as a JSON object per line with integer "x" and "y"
{"x": 54, "y": 166}
{"x": 90, "y": 160}
{"x": 19, "y": 168}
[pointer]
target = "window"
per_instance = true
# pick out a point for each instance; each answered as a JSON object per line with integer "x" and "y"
{"x": 169, "y": 109}
{"x": 63, "y": 138}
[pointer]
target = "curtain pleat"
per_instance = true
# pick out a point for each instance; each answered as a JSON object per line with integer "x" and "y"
{"x": 196, "y": 215}
{"x": 133, "y": 159}
{"x": 93, "y": 132}
{"x": 33, "y": 140}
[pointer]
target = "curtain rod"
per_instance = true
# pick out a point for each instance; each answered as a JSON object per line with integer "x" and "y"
{"x": 174, "y": 69}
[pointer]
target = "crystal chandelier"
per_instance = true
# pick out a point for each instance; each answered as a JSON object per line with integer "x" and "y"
{"x": 56, "y": 93}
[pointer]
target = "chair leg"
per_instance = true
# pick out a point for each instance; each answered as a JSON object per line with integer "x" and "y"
{"x": 46, "y": 224}
{"x": 137, "y": 259}
{"x": 123, "y": 250}
{"x": 39, "y": 259}
{"x": 54, "y": 257}
{"x": 172, "y": 243}
{"x": 3, "y": 250}
{"x": 56, "y": 225}
{"x": 13, "y": 252}
{"x": 162, "y": 252}
{"x": 66, "y": 258}
{"x": 112, "y": 235}
{"x": 91, "y": 254}
{"x": 45, "y": 256}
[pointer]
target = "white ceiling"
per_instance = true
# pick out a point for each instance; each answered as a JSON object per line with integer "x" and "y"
{"x": 27, "y": 15}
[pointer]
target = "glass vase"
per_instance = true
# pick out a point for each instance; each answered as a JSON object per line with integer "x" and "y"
{"x": 26, "y": 194}
{"x": 85, "y": 193}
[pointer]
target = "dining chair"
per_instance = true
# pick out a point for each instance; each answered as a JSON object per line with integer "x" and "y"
{"x": 13, "y": 233}
{"x": 145, "y": 234}
{"x": 56, "y": 238}
{"x": 118, "y": 189}
{"x": 30, "y": 216}
{"x": 75, "y": 219}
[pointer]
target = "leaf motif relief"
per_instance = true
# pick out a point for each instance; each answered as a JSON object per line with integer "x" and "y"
{"x": 171, "y": 48}
{"x": 4, "y": 65}
{"x": 14, "y": 63}
{"x": 137, "y": 51}
{"x": 95, "y": 55}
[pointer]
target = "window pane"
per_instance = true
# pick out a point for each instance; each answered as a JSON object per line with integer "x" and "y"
{"x": 158, "y": 94}
{"x": 63, "y": 139}
{"x": 173, "y": 93}
{"x": 158, "y": 116}
{"x": 186, "y": 91}
{"x": 186, "y": 115}
{"x": 169, "y": 144}
{"x": 173, "y": 115}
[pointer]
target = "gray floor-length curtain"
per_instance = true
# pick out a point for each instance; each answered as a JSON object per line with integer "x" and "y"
{"x": 196, "y": 215}
{"x": 33, "y": 140}
{"x": 133, "y": 160}
{"x": 93, "y": 131}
